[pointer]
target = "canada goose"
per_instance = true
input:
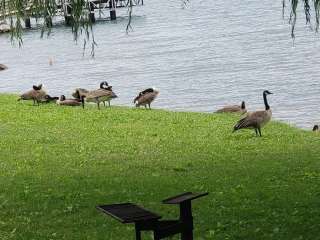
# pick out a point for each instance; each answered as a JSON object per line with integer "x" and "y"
{"x": 256, "y": 120}
{"x": 233, "y": 109}
{"x": 96, "y": 96}
{"x": 68, "y": 102}
{"x": 3, "y": 67}
{"x": 37, "y": 94}
{"x": 315, "y": 128}
{"x": 146, "y": 97}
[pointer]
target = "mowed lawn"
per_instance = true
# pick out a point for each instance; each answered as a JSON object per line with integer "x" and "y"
{"x": 57, "y": 163}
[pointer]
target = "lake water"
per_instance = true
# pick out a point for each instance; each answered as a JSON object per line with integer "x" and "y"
{"x": 200, "y": 58}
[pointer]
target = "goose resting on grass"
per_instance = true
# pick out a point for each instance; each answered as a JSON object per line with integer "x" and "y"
{"x": 233, "y": 109}
{"x": 68, "y": 102}
{"x": 256, "y": 120}
{"x": 146, "y": 97}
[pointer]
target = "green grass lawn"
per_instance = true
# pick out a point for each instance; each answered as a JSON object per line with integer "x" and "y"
{"x": 57, "y": 163}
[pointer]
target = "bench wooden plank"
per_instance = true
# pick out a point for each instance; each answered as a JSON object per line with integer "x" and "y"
{"x": 188, "y": 196}
{"x": 128, "y": 212}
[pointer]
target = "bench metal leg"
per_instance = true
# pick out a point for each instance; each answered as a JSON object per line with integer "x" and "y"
{"x": 187, "y": 220}
{"x": 138, "y": 232}
{"x": 156, "y": 236}
{"x": 187, "y": 235}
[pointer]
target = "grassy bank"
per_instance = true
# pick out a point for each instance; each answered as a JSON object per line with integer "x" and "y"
{"x": 58, "y": 163}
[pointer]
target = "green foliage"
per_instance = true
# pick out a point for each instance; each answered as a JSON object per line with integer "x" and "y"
{"x": 57, "y": 163}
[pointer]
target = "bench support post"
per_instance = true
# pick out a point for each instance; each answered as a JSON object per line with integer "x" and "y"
{"x": 186, "y": 220}
{"x": 138, "y": 232}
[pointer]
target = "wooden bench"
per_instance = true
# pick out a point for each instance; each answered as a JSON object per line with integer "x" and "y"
{"x": 146, "y": 220}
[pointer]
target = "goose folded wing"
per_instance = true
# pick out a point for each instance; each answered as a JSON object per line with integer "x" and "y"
{"x": 101, "y": 93}
{"x": 252, "y": 120}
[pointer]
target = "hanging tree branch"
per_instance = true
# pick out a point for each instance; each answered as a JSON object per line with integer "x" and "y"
{"x": 307, "y": 12}
{"x": 16, "y": 11}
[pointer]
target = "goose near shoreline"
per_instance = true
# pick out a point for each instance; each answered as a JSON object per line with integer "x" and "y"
{"x": 37, "y": 94}
{"x": 146, "y": 97}
{"x": 103, "y": 94}
{"x": 68, "y": 102}
{"x": 233, "y": 109}
{"x": 256, "y": 120}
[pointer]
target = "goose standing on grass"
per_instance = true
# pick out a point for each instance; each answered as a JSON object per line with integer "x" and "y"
{"x": 146, "y": 97}
{"x": 315, "y": 128}
{"x": 103, "y": 94}
{"x": 233, "y": 109}
{"x": 37, "y": 94}
{"x": 68, "y": 102}
{"x": 256, "y": 120}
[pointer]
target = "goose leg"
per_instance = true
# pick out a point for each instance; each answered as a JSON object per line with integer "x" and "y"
{"x": 259, "y": 129}
{"x": 149, "y": 106}
{"x": 145, "y": 106}
{"x": 104, "y": 103}
{"x": 256, "y": 130}
{"x": 109, "y": 103}
{"x": 82, "y": 101}
{"x": 98, "y": 103}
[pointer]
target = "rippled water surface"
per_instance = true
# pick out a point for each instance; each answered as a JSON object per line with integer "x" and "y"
{"x": 200, "y": 58}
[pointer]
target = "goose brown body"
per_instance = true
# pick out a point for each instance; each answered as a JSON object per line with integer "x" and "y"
{"x": 95, "y": 96}
{"x": 146, "y": 97}
{"x": 256, "y": 120}
{"x": 68, "y": 102}
{"x": 233, "y": 109}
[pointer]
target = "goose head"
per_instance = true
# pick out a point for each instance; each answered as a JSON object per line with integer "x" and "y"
{"x": 315, "y": 128}
{"x": 37, "y": 88}
{"x": 62, "y": 98}
{"x": 104, "y": 84}
{"x": 266, "y": 92}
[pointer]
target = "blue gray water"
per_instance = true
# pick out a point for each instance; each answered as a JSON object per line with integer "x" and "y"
{"x": 200, "y": 58}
